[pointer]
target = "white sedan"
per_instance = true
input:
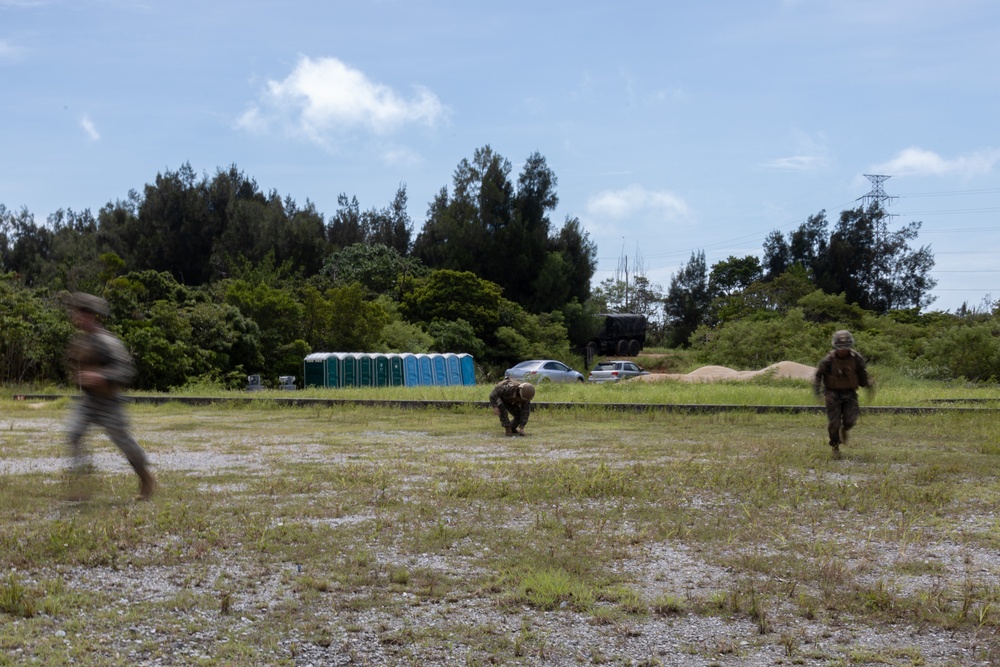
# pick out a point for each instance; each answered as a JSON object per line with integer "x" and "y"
{"x": 543, "y": 369}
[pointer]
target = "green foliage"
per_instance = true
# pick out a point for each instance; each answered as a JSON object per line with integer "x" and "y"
{"x": 688, "y": 299}
{"x": 34, "y": 332}
{"x": 969, "y": 351}
{"x": 821, "y": 307}
{"x": 755, "y": 344}
{"x": 504, "y": 234}
{"x": 457, "y": 336}
{"x": 401, "y": 336}
{"x": 452, "y": 295}
{"x": 377, "y": 267}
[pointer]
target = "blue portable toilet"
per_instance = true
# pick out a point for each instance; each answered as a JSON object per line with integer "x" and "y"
{"x": 314, "y": 369}
{"x": 426, "y": 369}
{"x": 468, "y": 365}
{"x": 396, "y": 376}
{"x": 454, "y": 368}
{"x": 440, "y": 365}
{"x": 411, "y": 369}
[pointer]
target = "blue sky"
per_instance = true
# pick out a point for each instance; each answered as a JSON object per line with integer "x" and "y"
{"x": 672, "y": 127}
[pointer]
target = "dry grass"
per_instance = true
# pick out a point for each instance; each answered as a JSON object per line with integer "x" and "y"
{"x": 296, "y": 535}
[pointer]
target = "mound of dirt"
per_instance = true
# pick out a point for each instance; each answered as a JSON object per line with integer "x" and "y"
{"x": 782, "y": 369}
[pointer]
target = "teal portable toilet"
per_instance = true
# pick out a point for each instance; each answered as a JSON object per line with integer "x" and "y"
{"x": 426, "y": 369}
{"x": 454, "y": 368}
{"x": 411, "y": 369}
{"x": 314, "y": 369}
{"x": 381, "y": 370}
{"x": 334, "y": 376}
{"x": 440, "y": 366}
{"x": 366, "y": 369}
{"x": 468, "y": 368}
{"x": 348, "y": 369}
{"x": 396, "y": 377}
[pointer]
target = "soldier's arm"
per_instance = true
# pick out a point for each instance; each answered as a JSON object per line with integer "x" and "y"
{"x": 821, "y": 372}
{"x": 861, "y": 369}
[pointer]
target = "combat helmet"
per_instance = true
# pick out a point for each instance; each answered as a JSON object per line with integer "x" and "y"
{"x": 843, "y": 340}
{"x": 526, "y": 391}
{"x": 88, "y": 303}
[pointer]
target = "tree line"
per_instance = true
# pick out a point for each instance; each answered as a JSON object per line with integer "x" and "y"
{"x": 211, "y": 278}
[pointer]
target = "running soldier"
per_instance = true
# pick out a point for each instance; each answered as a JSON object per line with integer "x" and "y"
{"x": 512, "y": 399}
{"x": 100, "y": 365}
{"x": 838, "y": 377}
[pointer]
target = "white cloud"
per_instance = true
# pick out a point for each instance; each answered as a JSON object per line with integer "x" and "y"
{"x": 636, "y": 200}
{"x": 324, "y": 98}
{"x": 808, "y": 152}
{"x": 89, "y": 127}
{"x": 919, "y": 162}
{"x": 796, "y": 162}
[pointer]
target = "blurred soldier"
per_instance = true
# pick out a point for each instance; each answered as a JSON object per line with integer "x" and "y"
{"x": 511, "y": 398}
{"x": 838, "y": 377}
{"x": 100, "y": 365}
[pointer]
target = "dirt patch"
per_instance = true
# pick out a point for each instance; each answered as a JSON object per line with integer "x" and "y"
{"x": 782, "y": 369}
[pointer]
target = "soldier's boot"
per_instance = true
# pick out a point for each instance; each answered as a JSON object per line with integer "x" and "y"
{"x": 519, "y": 432}
{"x": 843, "y": 435}
{"x": 508, "y": 430}
{"x": 147, "y": 483}
{"x": 836, "y": 451}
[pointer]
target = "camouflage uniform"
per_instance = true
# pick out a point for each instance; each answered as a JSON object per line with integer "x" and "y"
{"x": 838, "y": 377}
{"x": 506, "y": 397}
{"x": 95, "y": 350}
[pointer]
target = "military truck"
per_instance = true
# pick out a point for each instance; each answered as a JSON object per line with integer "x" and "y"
{"x": 620, "y": 334}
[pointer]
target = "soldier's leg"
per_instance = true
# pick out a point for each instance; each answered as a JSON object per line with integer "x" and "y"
{"x": 850, "y": 412}
{"x": 505, "y": 420}
{"x": 833, "y": 416}
{"x": 79, "y": 422}
{"x": 112, "y": 419}
{"x": 522, "y": 418}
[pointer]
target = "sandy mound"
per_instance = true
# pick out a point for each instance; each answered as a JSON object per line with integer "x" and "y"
{"x": 782, "y": 369}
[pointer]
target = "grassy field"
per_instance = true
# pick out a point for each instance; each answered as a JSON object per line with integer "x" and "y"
{"x": 350, "y": 535}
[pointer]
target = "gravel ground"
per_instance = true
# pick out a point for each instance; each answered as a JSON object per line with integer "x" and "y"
{"x": 684, "y": 639}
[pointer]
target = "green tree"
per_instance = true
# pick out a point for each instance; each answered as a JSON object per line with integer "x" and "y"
{"x": 688, "y": 299}
{"x": 504, "y": 234}
{"x": 378, "y": 268}
{"x": 34, "y": 332}
{"x": 872, "y": 265}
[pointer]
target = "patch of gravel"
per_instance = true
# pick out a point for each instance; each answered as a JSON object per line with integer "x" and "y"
{"x": 566, "y": 638}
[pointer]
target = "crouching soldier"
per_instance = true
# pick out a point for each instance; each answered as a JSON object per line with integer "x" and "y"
{"x": 100, "y": 365}
{"x": 837, "y": 378}
{"x": 511, "y": 398}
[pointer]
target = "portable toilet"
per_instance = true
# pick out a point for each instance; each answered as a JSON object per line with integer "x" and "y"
{"x": 334, "y": 371}
{"x": 468, "y": 368}
{"x": 348, "y": 369}
{"x": 396, "y": 376}
{"x": 440, "y": 366}
{"x": 426, "y": 369}
{"x": 381, "y": 362}
{"x": 454, "y": 368}
{"x": 411, "y": 369}
{"x": 314, "y": 369}
{"x": 366, "y": 369}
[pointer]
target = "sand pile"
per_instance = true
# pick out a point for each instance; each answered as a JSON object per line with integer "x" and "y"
{"x": 782, "y": 369}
